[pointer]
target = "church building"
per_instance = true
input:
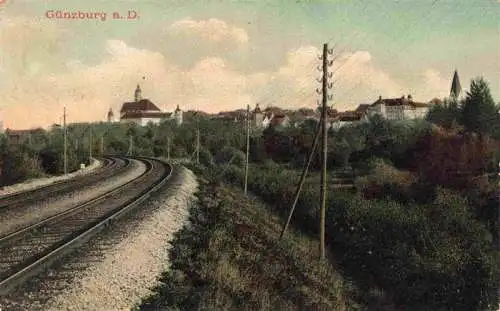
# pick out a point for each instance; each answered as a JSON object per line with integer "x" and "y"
{"x": 141, "y": 110}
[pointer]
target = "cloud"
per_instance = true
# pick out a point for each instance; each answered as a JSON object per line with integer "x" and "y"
{"x": 210, "y": 85}
{"x": 357, "y": 77}
{"x": 36, "y": 92}
{"x": 28, "y": 45}
{"x": 434, "y": 83}
{"x": 212, "y": 30}
{"x": 187, "y": 41}
{"x": 89, "y": 91}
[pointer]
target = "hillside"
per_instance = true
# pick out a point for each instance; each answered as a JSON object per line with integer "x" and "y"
{"x": 231, "y": 259}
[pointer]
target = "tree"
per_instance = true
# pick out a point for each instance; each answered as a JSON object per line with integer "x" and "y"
{"x": 445, "y": 115}
{"x": 479, "y": 113}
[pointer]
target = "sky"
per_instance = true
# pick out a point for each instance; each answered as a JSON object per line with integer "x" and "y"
{"x": 223, "y": 55}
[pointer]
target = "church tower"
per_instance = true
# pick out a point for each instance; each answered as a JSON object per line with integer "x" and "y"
{"x": 456, "y": 88}
{"x": 138, "y": 93}
{"x": 258, "y": 116}
{"x": 178, "y": 116}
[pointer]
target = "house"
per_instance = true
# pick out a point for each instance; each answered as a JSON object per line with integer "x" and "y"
{"x": 398, "y": 108}
{"x": 348, "y": 117}
{"x": 271, "y": 116}
{"x": 141, "y": 110}
{"x": 231, "y": 116}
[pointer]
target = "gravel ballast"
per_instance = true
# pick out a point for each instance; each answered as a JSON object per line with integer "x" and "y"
{"x": 131, "y": 268}
{"x": 39, "y": 182}
{"x": 11, "y": 220}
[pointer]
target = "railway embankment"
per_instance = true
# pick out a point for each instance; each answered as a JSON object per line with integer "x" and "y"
{"x": 132, "y": 255}
{"x": 230, "y": 257}
{"x": 39, "y": 182}
{"x": 13, "y": 219}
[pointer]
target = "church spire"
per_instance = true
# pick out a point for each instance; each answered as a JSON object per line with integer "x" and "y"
{"x": 456, "y": 88}
{"x": 138, "y": 93}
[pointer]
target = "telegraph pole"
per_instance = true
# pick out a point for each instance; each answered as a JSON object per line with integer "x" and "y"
{"x": 198, "y": 145}
{"x": 90, "y": 145}
{"x": 102, "y": 145}
{"x": 168, "y": 148}
{"x": 321, "y": 131}
{"x": 65, "y": 142}
{"x": 317, "y": 134}
{"x": 325, "y": 152}
{"x": 130, "y": 146}
{"x": 248, "y": 148}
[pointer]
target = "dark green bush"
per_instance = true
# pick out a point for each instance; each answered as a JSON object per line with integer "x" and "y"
{"x": 426, "y": 255}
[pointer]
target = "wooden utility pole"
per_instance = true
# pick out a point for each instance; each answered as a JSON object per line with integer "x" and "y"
{"x": 90, "y": 144}
{"x": 303, "y": 176}
{"x": 129, "y": 153}
{"x": 248, "y": 148}
{"x": 65, "y": 142}
{"x": 325, "y": 153}
{"x": 102, "y": 145}
{"x": 198, "y": 145}
{"x": 168, "y": 148}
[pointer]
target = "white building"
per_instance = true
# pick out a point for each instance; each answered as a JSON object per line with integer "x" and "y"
{"x": 269, "y": 117}
{"x": 141, "y": 110}
{"x": 398, "y": 108}
{"x": 177, "y": 116}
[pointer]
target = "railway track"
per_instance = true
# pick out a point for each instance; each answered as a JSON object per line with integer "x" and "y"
{"x": 29, "y": 250}
{"x": 111, "y": 166}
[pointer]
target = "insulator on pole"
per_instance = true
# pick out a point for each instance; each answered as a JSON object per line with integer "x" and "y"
{"x": 330, "y": 51}
{"x": 330, "y": 85}
{"x": 319, "y": 68}
{"x": 320, "y": 57}
{"x": 330, "y": 63}
{"x": 319, "y": 80}
{"x": 330, "y": 97}
{"x": 330, "y": 74}
{"x": 318, "y": 91}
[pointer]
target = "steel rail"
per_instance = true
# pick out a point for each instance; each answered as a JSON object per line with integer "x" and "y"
{"x": 47, "y": 256}
{"x": 64, "y": 186}
{"x": 107, "y": 163}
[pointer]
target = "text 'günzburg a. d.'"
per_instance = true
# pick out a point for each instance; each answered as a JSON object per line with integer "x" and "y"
{"x": 91, "y": 15}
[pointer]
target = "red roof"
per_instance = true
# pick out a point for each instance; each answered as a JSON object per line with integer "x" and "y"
{"x": 306, "y": 112}
{"x": 278, "y": 120}
{"x": 275, "y": 110}
{"x": 142, "y": 105}
{"x": 257, "y": 109}
{"x": 10, "y": 132}
{"x": 399, "y": 102}
{"x": 350, "y": 116}
{"x": 362, "y": 108}
{"x": 436, "y": 101}
{"x": 142, "y": 114}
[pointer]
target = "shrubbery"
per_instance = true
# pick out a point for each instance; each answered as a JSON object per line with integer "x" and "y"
{"x": 427, "y": 255}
